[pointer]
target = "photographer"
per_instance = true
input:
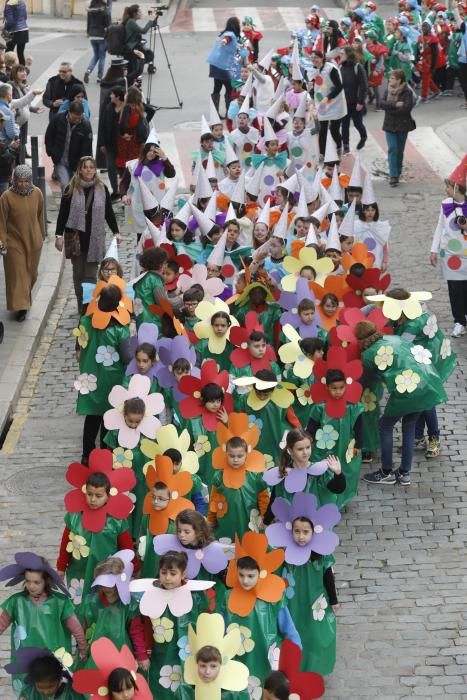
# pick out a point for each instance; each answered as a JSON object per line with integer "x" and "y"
{"x": 135, "y": 52}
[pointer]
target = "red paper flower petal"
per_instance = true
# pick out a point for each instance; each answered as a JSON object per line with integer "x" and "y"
{"x": 120, "y": 506}
{"x": 77, "y": 474}
{"x": 240, "y": 357}
{"x": 335, "y": 408}
{"x": 123, "y": 479}
{"x": 190, "y": 407}
{"x": 101, "y": 461}
{"x": 188, "y": 385}
{"x": 94, "y": 520}
{"x": 353, "y": 392}
{"x": 75, "y": 501}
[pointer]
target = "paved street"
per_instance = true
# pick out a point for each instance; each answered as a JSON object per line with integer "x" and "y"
{"x": 401, "y": 567}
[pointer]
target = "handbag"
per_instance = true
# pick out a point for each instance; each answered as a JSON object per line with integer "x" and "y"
{"x": 71, "y": 243}
{"x": 6, "y": 34}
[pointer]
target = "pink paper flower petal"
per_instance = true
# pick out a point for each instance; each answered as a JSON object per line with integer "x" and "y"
{"x": 118, "y": 396}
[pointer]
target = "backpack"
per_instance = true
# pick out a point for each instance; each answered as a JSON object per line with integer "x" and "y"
{"x": 115, "y": 39}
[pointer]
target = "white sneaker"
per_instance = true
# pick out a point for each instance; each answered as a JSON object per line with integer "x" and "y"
{"x": 458, "y": 330}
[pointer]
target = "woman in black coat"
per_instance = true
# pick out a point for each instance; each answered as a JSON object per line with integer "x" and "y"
{"x": 397, "y": 105}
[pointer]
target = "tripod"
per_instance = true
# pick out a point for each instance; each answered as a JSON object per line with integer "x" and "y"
{"x": 156, "y": 30}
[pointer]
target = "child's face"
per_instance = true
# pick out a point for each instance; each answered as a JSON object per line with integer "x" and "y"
{"x": 335, "y": 256}
{"x": 301, "y": 451}
{"x": 213, "y": 270}
{"x": 317, "y": 355}
{"x": 236, "y": 457}
{"x": 301, "y": 228}
{"x": 109, "y": 270}
{"x": 347, "y": 244}
{"x": 336, "y": 389}
{"x": 329, "y": 308}
{"x": 276, "y": 248}
{"x": 339, "y": 218}
{"x": 240, "y": 284}
{"x": 133, "y": 419}
{"x": 190, "y": 308}
{"x": 272, "y": 147}
{"x": 298, "y": 124}
{"x": 351, "y": 196}
{"x": 143, "y": 362}
{"x": 176, "y": 232}
{"x": 170, "y": 578}
{"x": 369, "y": 213}
{"x": 307, "y": 274}
{"x": 208, "y": 670}
{"x": 160, "y": 498}
{"x": 186, "y": 534}
{"x": 34, "y": 583}
{"x": 242, "y": 120}
{"x": 127, "y": 694}
{"x": 263, "y": 394}
{"x": 217, "y": 131}
{"x": 207, "y": 145}
{"x": 248, "y": 578}
{"x": 261, "y": 232}
{"x": 307, "y": 316}
{"x": 48, "y": 687}
{"x": 179, "y": 373}
{"x": 168, "y": 275}
{"x": 302, "y": 532}
{"x": 96, "y": 496}
{"x": 234, "y": 169}
{"x": 257, "y": 348}
{"x": 281, "y": 197}
{"x": 297, "y": 86}
{"x": 214, "y": 237}
{"x": 449, "y": 189}
{"x": 368, "y": 292}
{"x": 110, "y": 593}
{"x": 232, "y": 233}
{"x": 213, "y": 405}
{"x": 220, "y": 327}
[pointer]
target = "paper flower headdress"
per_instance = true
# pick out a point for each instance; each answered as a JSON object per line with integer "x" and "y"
{"x": 120, "y": 581}
{"x": 233, "y": 675}
{"x": 394, "y": 308}
{"x": 289, "y": 301}
{"x": 170, "y": 350}
{"x": 352, "y": 371}
{"x": 140, "y": 386}
{"x": 333, "y": 284}
{"x": 156, "y": 600}
{"x": 212, "y": 286}
{"x": 237, "y": 426}
{"x": 119, "y": 504}
{"x": 191, "y": 406}
{"x": 306, "y": 257}
{"x": 295, "y": 479}
{"x": 101, "y": 319}
{"x": 28, "y": 561}
{"x": 323, "y": 540}
{"x": 270, "y": 586}
{"x": 24, "y": 656}
{"x": 147, "y": 333}
{"x": 178, "y": 486}
{"x": 359, "y": 254}
{"x": 166, "y": 438}
{"x": 282, "y": 394}
{"x": 107, "y": 658}
{"x": 343, "y": 335}
{"x": 203, "y": 329}
{"x": 373, "y": 278}
{"x": 164, "y": 308}
{"x": 291, "y": 353}
{"x": 184, "y": 262}
{"x": 212, "y": 557}
{"x": 303, "y": 685}
{"x": 240, "y": 357}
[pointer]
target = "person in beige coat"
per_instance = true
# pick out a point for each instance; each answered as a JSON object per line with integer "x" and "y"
{"x": 22, "y": 232}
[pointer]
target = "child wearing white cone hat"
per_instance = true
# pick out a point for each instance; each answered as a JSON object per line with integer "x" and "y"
{"x": 232, "y": 166}
{"x": 369, "y": 229}
{"x": 245, "y": 137}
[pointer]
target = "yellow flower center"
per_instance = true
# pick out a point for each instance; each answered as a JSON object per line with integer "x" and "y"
{"x": 196, "y": 394}
{"x": 102, "y": 691}
{"x": 263, "y": 573}
{"x": 113, "y": 491}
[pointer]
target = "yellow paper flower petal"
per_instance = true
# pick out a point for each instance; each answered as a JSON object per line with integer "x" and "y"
{"x": 292, "y": 265}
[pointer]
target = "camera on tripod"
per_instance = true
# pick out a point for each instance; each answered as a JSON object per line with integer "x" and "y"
{"x": 159, "y": 9}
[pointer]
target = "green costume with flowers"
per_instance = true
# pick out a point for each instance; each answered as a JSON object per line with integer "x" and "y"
{"x": 222, "y": 359}
{"x": 371, "y": 397}
{"x": 303, "y": 399}
{"x": 317, "y": 485}
{"x": 311, "y": 611}
{"x": 29, "y": 692}
{"x": 413, "y": 386}
{"x": 39, "y": 624}
{"x": 336, "y": 436}
{"x": 272, "y": 422}
{"x": 144, "y": 291}
{"x": 150, "y": 565}
{"x": 268, "y": 315}
{"x": 425, "y": 331}
{"x": 187, "y": 692}
{"x": 168, "y": 630}
{"x": 247, "y": 371}
{"x": 106, "y": 367}
{"x": 90, "y": 548}
{"x": 243, "y": 510}
{"x": 396, "y": 63}
{"x": 204, "y": 443}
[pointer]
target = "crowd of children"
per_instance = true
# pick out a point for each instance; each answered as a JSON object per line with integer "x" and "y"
{"x": 238, "y": 382}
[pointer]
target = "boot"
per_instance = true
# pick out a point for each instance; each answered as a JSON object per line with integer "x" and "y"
{"x": 216, "y": 98}
{"x": 227, "y": 103}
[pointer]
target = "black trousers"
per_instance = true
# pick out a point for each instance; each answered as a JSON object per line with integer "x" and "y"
{"x": 463, "y": 78}
{"x": 19, "y": 40}
{"x": 357, "y": 118}
{"x": 218, "y": 84}
{"x": 335, "y": 128}
{"x": 92, "y": 425}
{"x": 458, "y": 299}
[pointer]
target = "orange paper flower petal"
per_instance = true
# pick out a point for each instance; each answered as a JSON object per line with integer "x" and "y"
{"x": 242, "y": 602}
{"x": 270, "y": 588}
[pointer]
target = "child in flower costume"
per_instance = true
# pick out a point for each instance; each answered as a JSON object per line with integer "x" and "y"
{"x": 213, "y": 330}
{"x": 252, "y": 352}
{"x": 207, "y": 402}
{"x": 325, "y": 479}
{"x": 257, "y": 603}
{"x": 210, "y": 667}
{"x": 103, "y": 333}
{"x": 96, "y": 522}
{"x": 132, "y": 416}
{"x": 258, "y": 297}
{"x": 305, "y": 532}
{"x": 300, "y": 356}
{"x": 150, "y": 286}
{"x": 171, "y": 602}
{"x": 239, "y": 497}
{"x": 335, "y": 422}
{"x": 143, "y": 347}
{"x": 163, "y": 501}
{"x": 42, "y": 616}
{"x": 413, "y": 386}
{"x": 268, "y": 404}
{"x": 44, "y": 672}
{"x": 115, "y": 671}
{"x": 110, "y": 611}
{"x": 423, "y": 331}
{"x": 289, "y": 679}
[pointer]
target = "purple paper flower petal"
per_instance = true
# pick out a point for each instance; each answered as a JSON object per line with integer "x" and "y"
{"x": 324, "y": 542}
{"x": 288, "y": 301}
{"x": 278, "y": 535}
{"x": 282, "y": 510}
{"x": 303, "y": 291}
{"x": 288, "y": 317}
{"x": 167, "y": 543}
{"x": 163, "y": 349}
{"x": 318, "y": 468}
{"x": 148, "y": 333}
{"x": 304, "y": 504}
{"x": 165, "y": 377}
{"x": 295, "y": 554}
{"x": 214, "y": 558}
{"x": 328, "y": 516}
{"x": 272, "y": 476}
{"x": 295, "y": 480}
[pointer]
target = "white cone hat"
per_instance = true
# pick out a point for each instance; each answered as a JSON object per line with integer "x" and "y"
{"x": 245, "y": 106}
{"x": 266, "y": 61}
{"x": 295, "y": 54}
{"x": 211, "y": 171}
{"x": 280, "y": 89}
{"x": 231, "y": 213}
{"x": 205, "y": 129}
{"x": 153, "y": 137}
{"x": 347, "y": 226}
{"x": 335, "y": 190}
{"x": 238, "y": 195}
{"x": 301, "y": 211}
{"x": 230, "y": 155}
{"x": 203, "y": 188}
{"x": 196, "y": 169}
{"x": 291, "y": 184}
{"x": 204, "y": 222}
{"x": 330, "y": 154}
{"x": 157, "y": 234}
{"x": 112, "y": 250}
{"x": 184, "y": 214}
{"x": 269, "y": 133}
{"x": 356, "y": 178}
{"x": 326, "y": 198}
{"x": 253, "y": 185}
{"x": 321, "y": 213}
{"x": 211, "y": 208}
{"x": 333, "y": 235}
{"x": 263, "y": 218}
{"x": 296, "y": 71}
{"x": 368, "y": 194}
{"x": 248, "y": 86}
{"x": 214, "y": 117}
{"x": 148, "y": 199}
{"x": 282, "y": 226}
{"x": 168, "y": 200}
{"x": 276, "y": 108}
{"x": 301, "y": 109}
{"x": 217, "y": 254}
{"x": 311, "y": 238}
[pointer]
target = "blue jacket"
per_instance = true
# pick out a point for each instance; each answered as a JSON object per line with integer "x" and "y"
{"x": 16, "y": 16}
{"x": 223, "y": 56}
{"x": 10, "y": 128}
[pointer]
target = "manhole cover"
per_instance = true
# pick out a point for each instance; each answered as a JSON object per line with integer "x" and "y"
{"x": 34, "y": 482}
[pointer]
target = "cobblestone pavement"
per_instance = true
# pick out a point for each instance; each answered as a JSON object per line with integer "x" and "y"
{"x": 401, "y": 567}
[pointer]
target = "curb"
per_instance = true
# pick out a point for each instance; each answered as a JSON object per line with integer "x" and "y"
{"x": 19, "y": 363}
{"x": 447, "y": 131}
